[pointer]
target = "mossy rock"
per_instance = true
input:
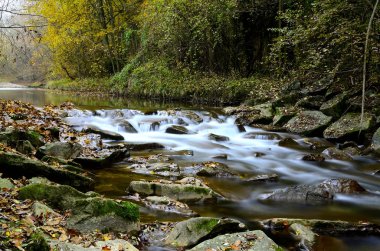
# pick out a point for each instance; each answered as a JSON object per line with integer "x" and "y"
{"x": 6, "y": 183}
{"x": 348, "y": 127}
{"x": 284, "y": 114}
{"x": 88, "y": 212}
{"x": 376, "y": 142}
{"x": 11, "y": 136}
{"x": 190, "y": 232}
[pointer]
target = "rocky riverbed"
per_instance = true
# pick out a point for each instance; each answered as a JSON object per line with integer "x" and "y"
{"x": 53, "y": 158}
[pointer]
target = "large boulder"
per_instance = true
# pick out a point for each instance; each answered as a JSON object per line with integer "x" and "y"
{"x": 348, "y": 127}
{"x": 258, "y": 114}
{"x": 284, "y": 114}
{"x": 17, "y": 166}
{"x": 318, "y": 193}
{"x": 310, "y": 102}
{"x": 89, "y": 211}
{"x": 64, "y": 150}
{"x": 248, "y": 241}
{"x": 319, "y": 87}
{"x": 184, "y": 190}
{"x": 190, "y": 232}
{"x": 334, "y": 107}
{"x": 376, "y": 142}
{"x": 308, "y": 123}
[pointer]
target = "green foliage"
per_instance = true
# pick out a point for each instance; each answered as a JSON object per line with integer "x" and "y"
{"x": 323, "y": 37}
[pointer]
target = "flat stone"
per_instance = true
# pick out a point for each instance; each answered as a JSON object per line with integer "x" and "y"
{"x": 190, "y": 232}
{"x": 64, "y": 150}
{"x": 246, "y": 241}
{"x": 104, "y": 134}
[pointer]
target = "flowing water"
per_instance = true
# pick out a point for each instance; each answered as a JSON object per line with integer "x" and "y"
{"x": 257, "y": 154}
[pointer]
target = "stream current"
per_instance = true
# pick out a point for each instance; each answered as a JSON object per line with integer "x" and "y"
{"x": 249, "y": 152}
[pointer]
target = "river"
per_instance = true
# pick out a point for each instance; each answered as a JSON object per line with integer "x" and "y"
{"x": 258, "y": 154}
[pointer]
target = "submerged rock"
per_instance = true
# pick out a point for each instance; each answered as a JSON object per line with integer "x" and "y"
{"x": 188, "y": 189}
{"x": 16, "y": 166}
{"x": 89, "y": 212}
{"x": 64, "y": 150}
{"x": 262, "y": 136}
{"x": 319, "y": 193}
{"x": 190, "y": 232}
{"x": 162, "y": 169}
{"x": 348, "y": 127}
{"x": 308, "y": 123}
{"x": 246, "y": 241}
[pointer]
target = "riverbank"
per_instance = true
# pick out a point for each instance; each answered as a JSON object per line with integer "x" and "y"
{"x": 176, "y": 85}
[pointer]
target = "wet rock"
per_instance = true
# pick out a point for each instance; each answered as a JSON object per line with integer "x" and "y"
{"x": 310, "y": 102}
{"x": 183, "y": 190}
{"x": 316, "y": 143}
{"x": 16, "y": 166}
{"x": 168, "y": 205}
{"x": 88, "y": 212}
{"x": 288, "y": 142}
{"x": 318, "y": 193}
{"x": 104, "y": 134}
{"x": 260, "y": 114}
{"x": 125, "y": 126}
{"x": 308, "y": 123}
{"x": 248, "y": 241}
{"x": 218, "y": 138}
{"x": 161, "y": 169}
{"x": 214, "y": 169}
{"x": 64, "y": 150}
{"x": 325, "y": 227}
{"x": 6, "y": 183}
{"x": 25, "y": 147}
{"x": 104, "y": 158}
{"x": 262, "y": 136}
{"x": 144, "y": 146}
{"x": 334, "y": 107}
{"x": 220, "y": 156}
{"x": 348, "y": 127}
{"x": 335, "y": 153}
{"x": 304, "y": 235}
{"x": 176, "y": 129}
{"x": 241, "y": 128}
{"x": 111, "y": 245}
{"x": 190, "y": 232}
{"x": 284, "y": 114}
{"x": 270, "y": 128}
{"x": 191, "y": 115}
{"x": 313, "y": 157}
{"x": 262, "y": 178}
